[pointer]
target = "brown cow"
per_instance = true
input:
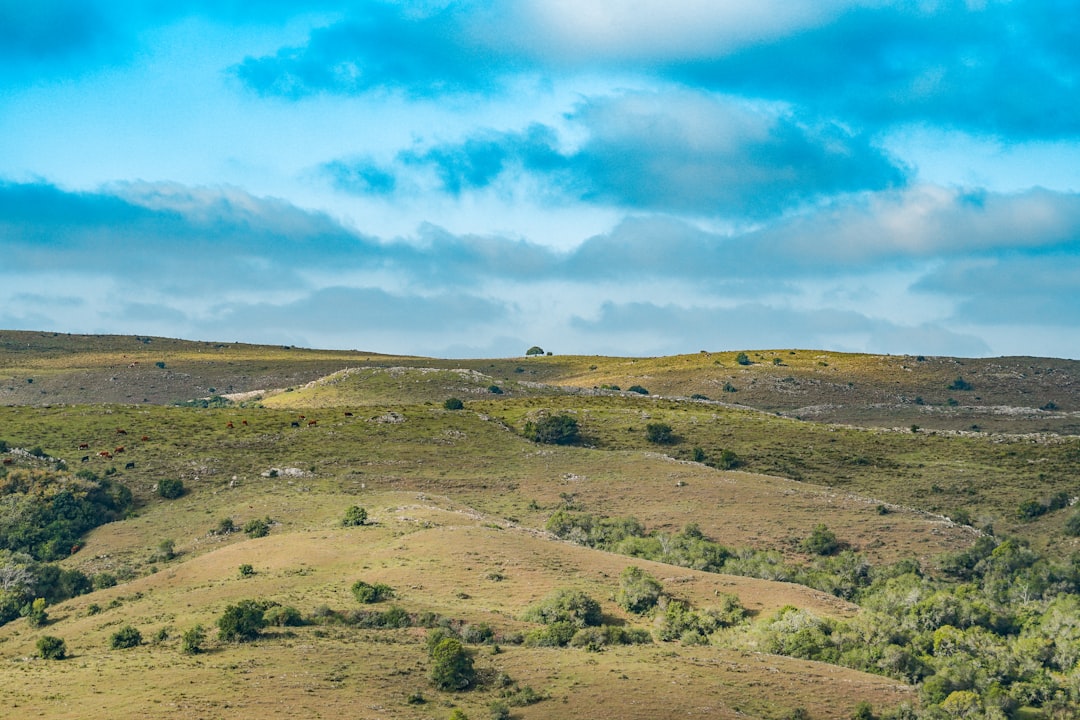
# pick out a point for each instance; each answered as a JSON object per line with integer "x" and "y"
{"x": 84, "y": 446}
{"x": 312, "y": 422}
{"x": 8, "y": 461}
{"x": 229, "y": 425}
{"x": 105, "y": 454}
{"x": 119, "y": 449}
{"x": 243, "y": 422}
{"x": 145, "y": 438}
{"x": 121, "y": 431}
{"x": 348, "y": 414}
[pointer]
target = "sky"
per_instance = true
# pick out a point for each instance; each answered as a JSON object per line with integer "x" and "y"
{"x": 472, "y": 178}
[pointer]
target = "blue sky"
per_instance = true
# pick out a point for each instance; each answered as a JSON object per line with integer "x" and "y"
{"x": 632, "y": 177}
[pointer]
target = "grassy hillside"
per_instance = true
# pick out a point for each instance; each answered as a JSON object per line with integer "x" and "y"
{"x": 459, "y": 504}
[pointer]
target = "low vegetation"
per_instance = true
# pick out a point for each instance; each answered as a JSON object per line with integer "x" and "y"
{"x": 919, "y": 615}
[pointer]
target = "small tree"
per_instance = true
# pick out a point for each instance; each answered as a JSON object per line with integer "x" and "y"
{"x": 257, "y": 528}
{"x": 355, "y": 516}
{"x": 35, "y": 613}
{"x": 638, "y": 590}
{"x": 51, "y": 648}
{"x": 453, "y": 404}
{"x": 742, "y": 359}
{"x": 534, "y": 350}
{"x": 367, "y": 593}
{"x": 960, "y": 384}
{"x": 565, "y": 606}
{"x": 191, "y": 641}
{"x": 126, "y": 637}
{"x": 1072, "y": 525}
{"x": 822, "y": 541}
{"x": 170, "y": 488}
{"x": 241, "y": 622}
{"x": 451, "y": 665}
{"x": 554, "y": 430}
{"x": 659, "y": 433}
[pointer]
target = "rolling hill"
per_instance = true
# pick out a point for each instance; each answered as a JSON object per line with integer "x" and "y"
{"x": 932, "y": 474}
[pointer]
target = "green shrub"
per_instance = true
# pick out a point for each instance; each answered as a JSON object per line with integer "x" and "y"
{"x": 192, "y": 639}
{"x": 355, "y": 516}
{"x": 742, "y": 359}
{"x": 637, "y": 389}
{"x": 103, "y": 580}
{"x": 453, "y": 404}
{"x": 257, "y": 528}
{"x": 242, "y": 622}
{"x": 638, "y": 590}
{"x": 535, "y": 350}
{"x": 822, "y": 541}
{"x": 51, "y": 648}
{"x": 728, "y": 460}
{"x": 553, "y": 430}
{"x": 225, "y": 526}
{"x": 960, "y": 384}
{"x": 170, "y": 488}
{"x": 659, "y": 433}
{"x": 564, "y": 605}
{"x": 246, "y": 570}
{"x": 495, "y": 390}
{"x": 367, "y": 593}
{"x": 1072, "y": 525}
{"x": 698, "y": 455}
{"x": 35, "y": 613}
{"x": 451, "y": 665}
{"x": 126, "y": 637}
{"x": 283, "y": 616}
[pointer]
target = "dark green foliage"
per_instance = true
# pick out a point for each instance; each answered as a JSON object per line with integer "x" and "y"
{"x": 1031, "y": 509}
{"x": 535, "y": 350}
{"x": 553, "y": 430}
{"x": 451, "y": 665}
{"x": 1072, "y": 525}
{"x": 246, "y": 570}
{"x": 680, "y": 621}
{"x": 822, "y": 541}
{"x": 637, "y": 389}
{"x": 283, "y": 616}
{"x": 35, "y": 613}
{"x": 392, "y": 617}
{"x": 225, "y": 526}
{"x": 569, "y": 606}
{"x": 46, "y": 512}
{"x": 597, "y": 638}
{"x": 170, "y": 488}
{"x": 242, "y": 622}
{"x": 160, "y": 364}
{"x": 355, "y": 516}
{"x": 864, "y": 711}
{"x": 126, "y": 637}
{"x": 698, "y": 455}
{"x": 699, "y": 396}
{"x": 638, "y": 590}
{"x": 659, "y": 433}
{"x": 728, "y": 460}
{"x": 368, "y": 593}
{"x": 960, "y": 384}
{"x": 192, "y": 639}
{"x": 214, "y": 401}
{"x": 51, "y": 648}
{"x": 495, "y": 390}
{"x": 453, "y": 404}
{"x": 257, "y": 527}
{"x": 742, "y": 359}
{"x": 729, "y": 388}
